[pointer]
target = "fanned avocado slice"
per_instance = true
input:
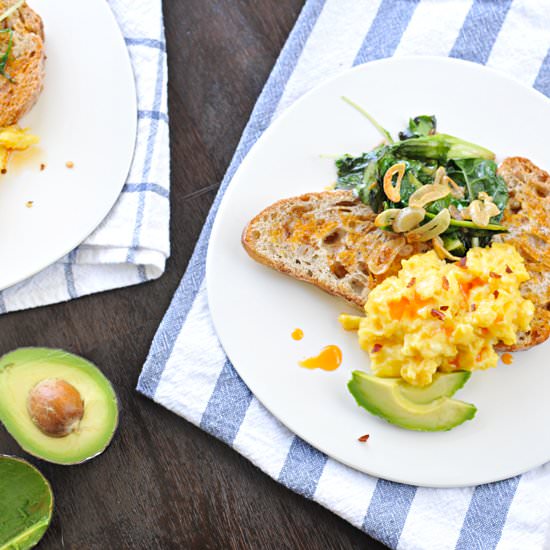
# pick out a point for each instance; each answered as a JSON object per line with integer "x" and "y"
{"x": 383, "y": 397}
{"x": 26, "y": 504}
{"x": 58, "y": 406}
{"x": 443, "y": 385}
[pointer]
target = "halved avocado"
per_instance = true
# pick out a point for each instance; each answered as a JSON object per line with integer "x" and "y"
{"x": 58, "y": 406}
{"x": 443, "y": 385}
{"x": 383, "y": 397}
{"x": 26, "y": 504}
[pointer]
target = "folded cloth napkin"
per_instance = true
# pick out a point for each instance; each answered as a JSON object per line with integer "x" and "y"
{"x": 187, "y": 370}
{"x": 132, "y": 243}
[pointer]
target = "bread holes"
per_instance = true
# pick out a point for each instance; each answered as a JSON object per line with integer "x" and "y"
{"x": 541, "y": 190}
{"x": 363, "y": 268}
{"x": 346, "y": 203}
{"x": 334, "y": 238}
{"x": 515, "y": 205}
{"x": 338, "y": 270}
{"x": 299, "y": 211}
{"x": 357, "y": 286}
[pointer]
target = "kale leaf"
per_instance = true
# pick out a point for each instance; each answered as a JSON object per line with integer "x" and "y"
{"x": 478, "y": 175}
{"x": 423, "y": 125}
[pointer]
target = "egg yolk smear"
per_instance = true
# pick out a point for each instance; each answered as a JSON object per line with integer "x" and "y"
{"x": 435, "y": 315}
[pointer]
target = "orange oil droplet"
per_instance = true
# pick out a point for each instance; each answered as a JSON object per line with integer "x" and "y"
{"x": 330, "y": 358}
{"x": 507, "y": 358}
{"x": 297, "y": 334}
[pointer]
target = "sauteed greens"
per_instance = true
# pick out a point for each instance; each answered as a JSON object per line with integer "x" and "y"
{"x": 429, "y": 186}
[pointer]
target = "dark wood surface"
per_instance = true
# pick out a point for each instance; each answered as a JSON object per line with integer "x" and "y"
{"x": 164, "y": 483}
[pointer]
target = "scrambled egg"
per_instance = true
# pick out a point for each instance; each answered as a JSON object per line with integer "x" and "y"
{"x": 13, "y": 138}
{"x": 435, "y": 315}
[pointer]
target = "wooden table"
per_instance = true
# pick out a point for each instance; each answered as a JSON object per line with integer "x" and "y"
{"x": 163, "y": 483}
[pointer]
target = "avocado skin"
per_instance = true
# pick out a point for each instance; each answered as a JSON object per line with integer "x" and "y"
{"x": 43, "y": 356}
{"x": 380, "y": 395}
{"x": 443, "y": 385}
{"x": 27, "y": 507}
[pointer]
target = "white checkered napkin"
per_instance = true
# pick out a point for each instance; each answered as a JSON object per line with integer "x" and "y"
{"x": 132, "y": 243}
{"x": 187, "y": 370}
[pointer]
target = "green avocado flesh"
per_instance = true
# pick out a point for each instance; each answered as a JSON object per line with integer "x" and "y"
{"x": 443, "y": 385}
{"x": 26, "y": 504}
{"x": 383, "y": 397}
{"x": 22, "y": 369}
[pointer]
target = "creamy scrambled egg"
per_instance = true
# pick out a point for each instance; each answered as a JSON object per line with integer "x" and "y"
{"x": 436, "y": 315}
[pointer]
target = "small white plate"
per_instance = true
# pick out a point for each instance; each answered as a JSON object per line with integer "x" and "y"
{"x": 86, "y": 114}
{"x": 255, "y": 309}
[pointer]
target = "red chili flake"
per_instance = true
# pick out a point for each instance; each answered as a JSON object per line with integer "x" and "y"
{"x": 363, "y": 438}
{"x": 495, "y": 294}
{"x": 438, "y": 314}
{"x": 444, "y": 308}
{"x": 473, "y": 307}
{"x": 411, "y": 282}
{"x": 508, "y": 269}
{"x": 376, "y": 348}
{"x": 445, "y": 283}
{"x": 495, "y": 275}
{"x": 462, "y": 263}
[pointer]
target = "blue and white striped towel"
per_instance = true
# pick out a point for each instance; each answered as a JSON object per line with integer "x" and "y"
{"x": 187, "y": 370}
{"x": 132, "y": 243}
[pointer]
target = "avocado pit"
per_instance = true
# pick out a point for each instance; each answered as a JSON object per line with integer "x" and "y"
{"x": 55, "y": 407}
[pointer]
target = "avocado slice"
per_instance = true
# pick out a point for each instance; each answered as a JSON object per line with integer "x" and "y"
{"x": 383, "y": 397}
{"x": 443, "y": 385}
{"x": 26, "y": 504}
{"x": 58, "y": 406}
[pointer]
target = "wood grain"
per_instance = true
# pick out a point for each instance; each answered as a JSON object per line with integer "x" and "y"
{"x": 164, "y": 483}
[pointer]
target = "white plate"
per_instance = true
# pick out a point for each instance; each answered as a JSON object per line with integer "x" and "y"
{"x": 86, "y": 114}
{"x": 255, "y": 309}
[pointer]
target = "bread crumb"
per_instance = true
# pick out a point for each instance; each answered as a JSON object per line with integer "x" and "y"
{"x": 3, "y": 171}
{"x": 29, "y": 204}
{"x": 42, "y": 167}
{"x": 69, "y": 164}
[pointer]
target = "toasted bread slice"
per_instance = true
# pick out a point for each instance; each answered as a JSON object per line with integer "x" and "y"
{"x": 25, "y": 65}
{"x": 527, "y": 217}
{"x": 328, "y": 239}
